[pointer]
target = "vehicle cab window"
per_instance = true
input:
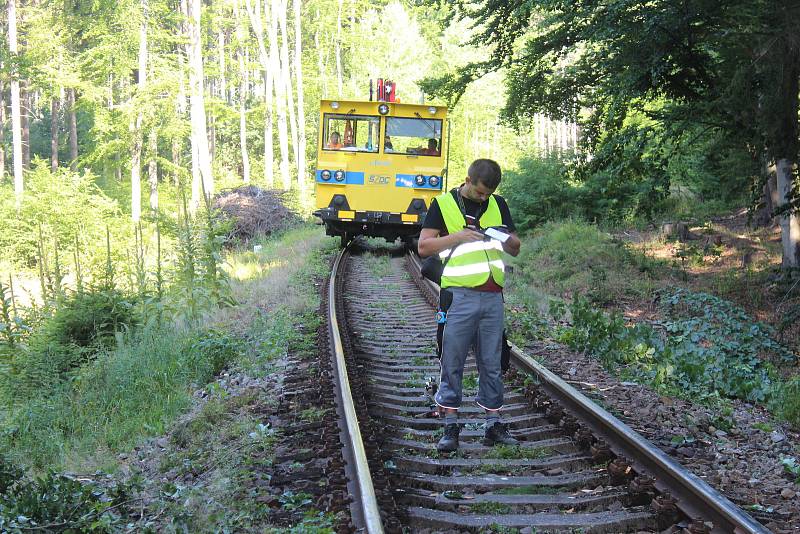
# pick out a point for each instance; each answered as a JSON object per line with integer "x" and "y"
{"x": 421, "y": 137}
{"x": 350, "y": 133}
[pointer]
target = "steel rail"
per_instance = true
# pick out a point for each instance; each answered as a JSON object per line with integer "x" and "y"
{"x": 366, "y": 516}
{"x": 695, "y": 497}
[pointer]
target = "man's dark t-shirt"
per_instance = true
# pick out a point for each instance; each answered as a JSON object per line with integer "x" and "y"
{"x": 434, "y": 220}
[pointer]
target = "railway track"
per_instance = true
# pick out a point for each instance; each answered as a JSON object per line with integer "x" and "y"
{"x": 577, "y": 468}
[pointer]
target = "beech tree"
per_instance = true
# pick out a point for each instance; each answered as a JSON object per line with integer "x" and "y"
{"x": 203, "y": 182}
{"x": 136, "y": 124}
{"x": 16, "y": 122}
{"x": 726, "y": 72}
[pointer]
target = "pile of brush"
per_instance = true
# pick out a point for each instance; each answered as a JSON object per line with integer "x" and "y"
{"x": 254, "y": 211}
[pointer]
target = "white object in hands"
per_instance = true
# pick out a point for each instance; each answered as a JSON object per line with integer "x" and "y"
{"x": 494, "y": 233}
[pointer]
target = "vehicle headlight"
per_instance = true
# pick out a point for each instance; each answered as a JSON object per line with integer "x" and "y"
{"x": 325, "y": 175}
{"x": 419, "y": 180}
{"x": 434, "y": 181}
{"x": 339, "y": 175}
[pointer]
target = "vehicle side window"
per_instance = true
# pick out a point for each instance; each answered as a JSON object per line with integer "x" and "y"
{"x": 352, "y": 133}
{"x": 421, "y": 137}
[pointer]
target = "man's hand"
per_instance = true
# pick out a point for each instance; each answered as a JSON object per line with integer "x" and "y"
{"x": 512, "y": 245}
{"x": 468, "y": 235}
{"x": 431, "y": 243}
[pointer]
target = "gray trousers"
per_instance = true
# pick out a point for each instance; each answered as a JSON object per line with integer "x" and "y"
{"x": 473, "y": 316}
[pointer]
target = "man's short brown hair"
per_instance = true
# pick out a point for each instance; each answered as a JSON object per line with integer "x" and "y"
{"x": 485, "y": 171}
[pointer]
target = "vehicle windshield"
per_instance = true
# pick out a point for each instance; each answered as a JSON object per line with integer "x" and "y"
{"x": 352, "y": 133}
{"x": 420, "y": 136}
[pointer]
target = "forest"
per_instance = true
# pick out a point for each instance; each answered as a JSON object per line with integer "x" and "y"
{"x": 650, "y": 159}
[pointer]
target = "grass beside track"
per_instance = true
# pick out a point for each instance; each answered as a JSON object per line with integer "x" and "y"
{"x": 201, "y": 476}
{"x": 654, "y": 311}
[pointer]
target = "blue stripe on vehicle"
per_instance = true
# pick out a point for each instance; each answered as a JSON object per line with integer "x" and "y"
{"x": 404, "y": 180}
{"x": 351, "y": 178}
{"x": 408, "y": 180}
{"x": 354, "y": 178}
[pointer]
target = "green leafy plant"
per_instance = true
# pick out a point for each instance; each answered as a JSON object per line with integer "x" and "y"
{"x": 786, "y": 401}
{"x": 215, "y": 349}
{"x": 792, "y": 467}
{"x": 706, "y": 347}
{"x": 470, "y": 381}
{"x": 58, "y": 503}
{"x": 490, "y": 508}
{"x": 517, "y": 452}
{"x": 292, "y": 501}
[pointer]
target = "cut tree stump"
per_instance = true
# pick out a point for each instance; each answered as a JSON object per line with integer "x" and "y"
{"x": 678, "y": 230}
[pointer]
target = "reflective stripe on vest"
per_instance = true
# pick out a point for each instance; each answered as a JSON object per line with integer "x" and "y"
{"x": 471, "y": 263}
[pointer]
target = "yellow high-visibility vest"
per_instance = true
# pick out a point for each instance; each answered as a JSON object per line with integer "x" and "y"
{"x": 471, "y": 263}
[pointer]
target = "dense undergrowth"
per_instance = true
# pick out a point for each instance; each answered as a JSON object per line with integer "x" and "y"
{"x": 113, "y": 329}
{"x": 122, "y": 379}
{"x": 573, "y": 281}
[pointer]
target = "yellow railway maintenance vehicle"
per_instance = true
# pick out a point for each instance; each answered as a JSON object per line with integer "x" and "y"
{"x": 379, "y": 164}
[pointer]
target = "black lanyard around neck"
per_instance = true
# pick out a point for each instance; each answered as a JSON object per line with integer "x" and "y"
{"x": 463, "y": 209}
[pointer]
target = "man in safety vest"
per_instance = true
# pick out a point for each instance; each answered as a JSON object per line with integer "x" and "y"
{"x": 471, "y": 299}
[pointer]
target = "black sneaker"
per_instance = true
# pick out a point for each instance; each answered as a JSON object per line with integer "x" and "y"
{"x": 449, "y": 442}
{"x": 498, "y": 433}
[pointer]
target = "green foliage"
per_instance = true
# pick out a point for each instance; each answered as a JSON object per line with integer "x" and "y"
{"x": 54, "y": 502}
{"x": 786, "y": 402}
{"x": 573, "y": 257}
{"x": 708, "y": 348}
{"x": 212, "y": 350}
{"x": 490, "y": 508}
{"x": 130, "y": 391}
{"x": 517, "y": 452}
{"x": 539, "y": 191}
{"x": 625, "y": 177}
{"x": 470, "y": 382}
{"x": 12, "y": 326}
{"x": 532, "y": 490}
{"x": 59, "y": 202}
{"x": 199, "y": 284}
{"x": 89, "y": 318}
{"x": 663, "y": 94}
{"x": 9, "y": 474}
{"x": 66, "y": 337}
{"x": 792, "y": 467}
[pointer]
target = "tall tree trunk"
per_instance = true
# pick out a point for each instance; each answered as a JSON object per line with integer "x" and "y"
{"x": 286, "y": 74}
{"x": 212, "y": 135}
{"x": 54, "y": 134}
{"x": 769, "y": 194}
{"x": 73, "y": 130}
{"x": 180, "y": 102}
{"x": 301, "y": 112}
{"x": 25, "y": 109}
{"x": 320, "y": 61}
{"x": 223, "y": 87}
{"x": 152, "y": 169}
{"x": 2, "y": 129}
{"x": 136, "y": 125}
{"x": 782, "y": 127}
{"x": 197, "y": 105}
{"x": 16, "y": 119}
{"x": 280, "y": 92}
{"x": 182, "y": 53}
{"x": 266, "y": 60}
{"x": 196, "y": 177}
{"x": 176, "y": 160}
{"x": 338, "y": 49}
{"x": 243, "y": 121}
{"x": 269, "y": 132}
{"x": 789, "y": 220}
